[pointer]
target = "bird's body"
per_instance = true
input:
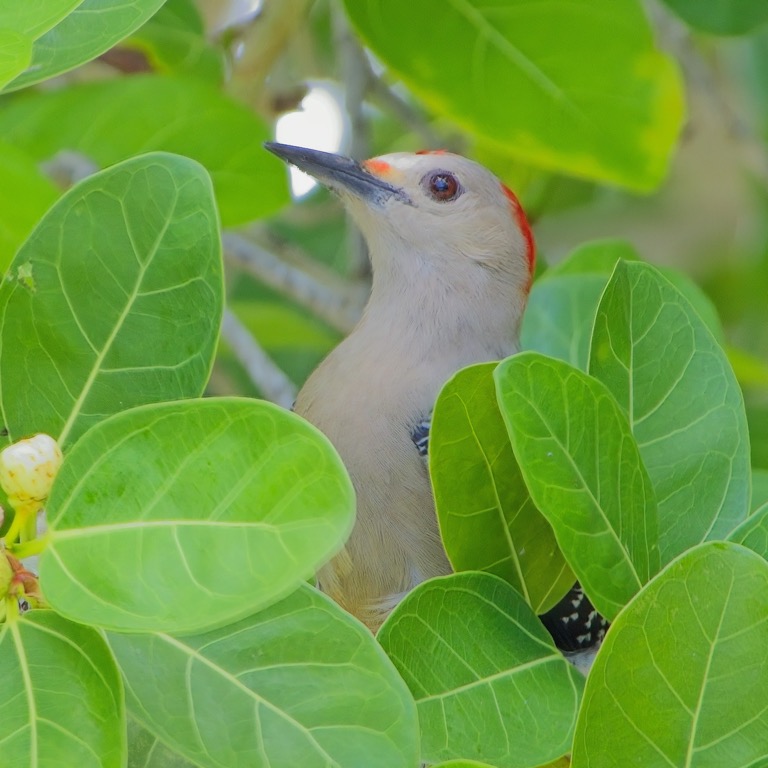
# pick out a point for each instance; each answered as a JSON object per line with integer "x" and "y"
{"x": 452, "y": 257}
{"x": 395, "y": 543}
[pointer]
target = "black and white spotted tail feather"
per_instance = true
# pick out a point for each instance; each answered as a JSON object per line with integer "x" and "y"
{"x": 574, "y": 623}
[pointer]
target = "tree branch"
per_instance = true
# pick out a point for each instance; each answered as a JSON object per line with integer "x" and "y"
{"x": 270, "y": 380}
{"x": 324, "y": 293}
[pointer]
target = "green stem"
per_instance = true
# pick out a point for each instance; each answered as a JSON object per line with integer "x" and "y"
{"x": 28, "y": 548}
{"x": 13, "y": 532}
{"x": 28, "y": 530}
{"x": 11, "y": 609}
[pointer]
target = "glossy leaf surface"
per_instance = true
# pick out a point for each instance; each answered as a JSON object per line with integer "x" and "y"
{"x": 685, "y": 407}
{"x": 113, "y": 301}
{"x": 298, "y": 684}
{"x": 61, "y": 701}
{"x": 184, "y": 516}
{"x": 488, "y": 681}
{"x": 584, "y": 471}
{"x": 601, "y": 103}
{"x": 488, "y": 521}
{"x": 681, "y": 676}
{"x": 63, "y": 34}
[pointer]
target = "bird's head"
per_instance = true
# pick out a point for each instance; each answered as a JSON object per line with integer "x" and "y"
{"x": 431, "y": 213}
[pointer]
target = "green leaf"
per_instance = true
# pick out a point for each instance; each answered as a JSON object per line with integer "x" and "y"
{"x": 174, "y": 41}
{"x": 759, "y": 488}
{"x": 562, "y": 304}
{"x": 602, "y": 102}
{"x": 561, "y": 763}
{"x": 299, "y": 684}
{"x": 34, "y": 18}
{"x": 135, "y": 114}
{"x": 91, "y": 28}
{"x": 145, "y": 750}
{"x": 183, "y": 516}
{"x": 61, "y": 701}
{"x": 15, "y": 55}
{"x": 595, "y": 257}
{"x": 22, "y": 24}
{"x": 681, "y": 677}
{"x": 487, "y": 519}
{"x": 672, "y": 378}
{"x": 699, "y": 301}
{"x": 25, "y": 195}
{"x": 584, "y": 471}
{"x": 489, "y": 683}
{"x": 753, "y": 532}
{"x": 721, "y": 17}
{"x": 114, "y": 300}
{"x": 463, "y": 764}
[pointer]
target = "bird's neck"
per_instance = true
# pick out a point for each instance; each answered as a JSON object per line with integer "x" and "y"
{"x": 462, "y": 316}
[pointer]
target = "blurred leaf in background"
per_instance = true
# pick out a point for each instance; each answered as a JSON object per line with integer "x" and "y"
{"x": 131, "y": 136}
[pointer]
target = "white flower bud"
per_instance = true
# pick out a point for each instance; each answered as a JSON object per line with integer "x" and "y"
{"x": 27, "y": 470}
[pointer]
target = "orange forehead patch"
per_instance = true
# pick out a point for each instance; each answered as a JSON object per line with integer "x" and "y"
{"x": 432, "y": 152}
{"x": 525, "y": 227}
{"x": 379, "y": 167}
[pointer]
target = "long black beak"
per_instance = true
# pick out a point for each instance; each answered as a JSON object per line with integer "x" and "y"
{"x": 341, "y": 174}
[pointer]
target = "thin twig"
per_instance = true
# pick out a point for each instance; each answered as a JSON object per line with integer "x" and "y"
{"x": 355, "y": 74}
{"x": 263, "y": 42}
{"x": 336, "y": 302}
{"x": 264, "y": 373}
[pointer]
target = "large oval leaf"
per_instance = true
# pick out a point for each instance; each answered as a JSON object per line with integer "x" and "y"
{"x": 488, "y": 521}
{"x": 681, "y": 678}
{"x": 15, "y": 55}
{"x": 36, "y": 18}
{"x": 129, "y": 115}
{"x": 114, "y": 300}
{"x": 489, "y": 683}
{"x": 584, "y": 471}
{"x": 685, "y": 407}
{"x": 563, "y": 303}
{"x": 22, "y": 24}
{"x": 299, "y": 684}
{"x": 578, "y": 87}
{"x": 183, "y": 516}
{"x": 561, "y": 307}
{"x": 83, "y": 30}
{"x": 61, "y": 701}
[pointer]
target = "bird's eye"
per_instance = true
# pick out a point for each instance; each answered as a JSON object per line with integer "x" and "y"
{"x": 442, "y": 186}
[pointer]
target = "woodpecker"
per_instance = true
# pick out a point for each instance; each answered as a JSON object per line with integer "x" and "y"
{"x": 452, "y": 259}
